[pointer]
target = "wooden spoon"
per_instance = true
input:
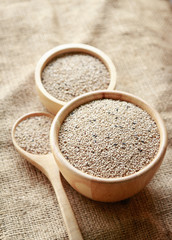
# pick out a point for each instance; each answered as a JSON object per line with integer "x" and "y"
{"x": 47, "y": 165}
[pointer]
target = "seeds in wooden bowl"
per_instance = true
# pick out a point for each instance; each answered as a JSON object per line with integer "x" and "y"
{"x": 109, "y": 138}
{"x": 70, "y": 75}
{"x": 32, "y": 134}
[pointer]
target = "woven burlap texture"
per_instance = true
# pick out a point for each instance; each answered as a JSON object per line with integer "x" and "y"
{"x": 137, "y": 35}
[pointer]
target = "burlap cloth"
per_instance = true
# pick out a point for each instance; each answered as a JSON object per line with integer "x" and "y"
{"x": 137, "y": 35}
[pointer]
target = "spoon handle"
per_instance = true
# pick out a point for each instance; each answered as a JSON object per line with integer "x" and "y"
{"x": 50, "y": 169}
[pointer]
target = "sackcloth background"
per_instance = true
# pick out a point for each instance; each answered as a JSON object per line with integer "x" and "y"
{"x": 137, "y": 35}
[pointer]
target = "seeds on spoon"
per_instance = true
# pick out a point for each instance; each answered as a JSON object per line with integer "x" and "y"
{"x": 32, "y": 134}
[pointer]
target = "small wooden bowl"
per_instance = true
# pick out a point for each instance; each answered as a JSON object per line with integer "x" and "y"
{"x": 107, "y": 189}
{"x": 51, "y": 103}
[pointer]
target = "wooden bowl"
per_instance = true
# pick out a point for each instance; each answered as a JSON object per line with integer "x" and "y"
{"x": 107, "y": 189}
{"x": 51, "y": 103}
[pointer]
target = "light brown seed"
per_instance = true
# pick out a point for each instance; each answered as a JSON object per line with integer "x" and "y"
{"x": 71, "y": 75}
{"x": 114, "y": 136}
{"x": 32, "y": 134}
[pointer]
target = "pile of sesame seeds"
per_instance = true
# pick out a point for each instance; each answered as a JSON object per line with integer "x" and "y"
{"x": 109, "y": 138}
{"x": 70, "y": 75}
{"x": 32, "y": 134}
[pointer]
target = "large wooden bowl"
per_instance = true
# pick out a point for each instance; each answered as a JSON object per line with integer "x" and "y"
{"x": 51, "y": 103}
{"x": 107, "y": 189}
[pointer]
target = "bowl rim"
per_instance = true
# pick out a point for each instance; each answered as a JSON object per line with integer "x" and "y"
{"x": 156, "y": 117}
{"x": 70, "y": 48}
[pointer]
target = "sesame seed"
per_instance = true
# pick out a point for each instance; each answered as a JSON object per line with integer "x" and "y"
{"x": 32, "y": 134}
{"x": 125, "y": 150}
{"x": 70, "y": 75}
